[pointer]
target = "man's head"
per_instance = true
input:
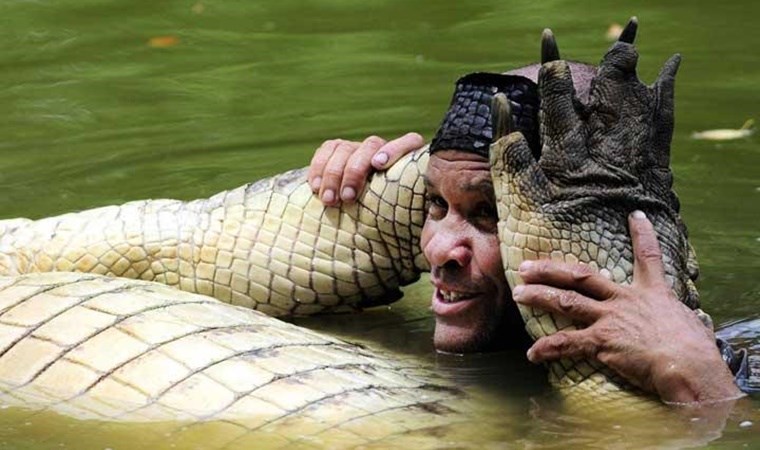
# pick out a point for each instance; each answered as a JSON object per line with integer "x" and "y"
{"x": 472, "y": 301}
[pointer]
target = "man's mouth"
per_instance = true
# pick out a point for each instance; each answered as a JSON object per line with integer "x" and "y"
{"x": 453, "y": 296}
{"x": 452, "y": 303}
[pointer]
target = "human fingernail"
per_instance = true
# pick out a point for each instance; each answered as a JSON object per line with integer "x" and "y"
{"x": 517, "y": 292}
{"x": 525, "y": 266}
{"x": 529, "y": 354}
{"x": 328, "y": 196}
{"x": 316, "y": 183}
{"x": 380, "y": 159}
{"x": 638, "y": 215}
{"x": 348, "y": 193}
{"x": 606, "y": 274}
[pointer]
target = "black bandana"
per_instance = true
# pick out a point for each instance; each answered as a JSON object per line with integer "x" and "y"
{"x": 467, "y": 124}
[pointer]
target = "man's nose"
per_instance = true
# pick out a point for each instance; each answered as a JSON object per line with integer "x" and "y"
{"x": 449, "y": 249}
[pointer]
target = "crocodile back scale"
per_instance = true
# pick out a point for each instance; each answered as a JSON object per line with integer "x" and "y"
{"x": 118, "y": 350}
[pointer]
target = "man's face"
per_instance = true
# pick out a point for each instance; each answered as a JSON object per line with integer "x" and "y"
{"x": 472, "y": 302}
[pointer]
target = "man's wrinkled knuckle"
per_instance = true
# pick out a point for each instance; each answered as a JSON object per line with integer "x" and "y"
{"x": 347, "y": 147}
{"x": 542, "y": 267}
{"x": 603, "y": 335}
{"x": 562, "y": 342}
{"x": 604, "y": 357}
{"x": 413, "y": 135}
{"x": 332, "y": 173}
{"x": 650, "y": 252}
{"x": 358, "y": 167}
{"x": 321, "y": 155}
{"x": 374, "y": 140}
{"x": 568, "y": 301}
{"x": 582, "y": 271}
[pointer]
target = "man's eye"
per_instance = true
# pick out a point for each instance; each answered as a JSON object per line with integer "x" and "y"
{"x": 485, "y": 216}
{"x": 436, "y": 206}
{"x": 486, "y": 211}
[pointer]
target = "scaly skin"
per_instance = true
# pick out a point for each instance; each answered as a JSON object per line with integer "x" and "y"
{"x": 599, "y": 162}
{"x": 270, "y": 245}
{"x": 105, "y": 348}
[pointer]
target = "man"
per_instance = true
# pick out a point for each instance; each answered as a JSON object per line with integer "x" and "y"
{"x": 641, "y": 331}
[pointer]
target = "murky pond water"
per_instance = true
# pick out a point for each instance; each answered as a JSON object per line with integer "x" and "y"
{"x": 107, "y": 101}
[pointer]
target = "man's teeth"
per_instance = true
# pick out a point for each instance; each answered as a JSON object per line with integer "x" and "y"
{"x": 451, "y": 297}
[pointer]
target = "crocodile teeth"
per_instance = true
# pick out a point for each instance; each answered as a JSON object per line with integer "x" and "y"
{"x": 451, "y": 297}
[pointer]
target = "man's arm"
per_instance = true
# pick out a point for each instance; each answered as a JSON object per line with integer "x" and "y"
{"x": 641, "y": 331}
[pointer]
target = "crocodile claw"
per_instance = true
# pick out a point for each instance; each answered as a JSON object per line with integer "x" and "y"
{"x": 549, "y": 49}
{"x": 501, "y": 116}
{"x": 628, "y": 35}
{"x": 600, "y": 160}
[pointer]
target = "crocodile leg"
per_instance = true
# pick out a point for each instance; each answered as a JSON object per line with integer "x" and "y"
{"x": 269, "y": 245}
{"x": 599, "y": 162}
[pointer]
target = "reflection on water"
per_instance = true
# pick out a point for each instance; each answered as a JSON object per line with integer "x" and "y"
{"x": 94, "y": 112}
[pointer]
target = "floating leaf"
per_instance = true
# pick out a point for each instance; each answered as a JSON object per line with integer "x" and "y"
{"x": 726, "y": 134}
{"x": 613, "y": 32}
{"x": 163, "y": 41}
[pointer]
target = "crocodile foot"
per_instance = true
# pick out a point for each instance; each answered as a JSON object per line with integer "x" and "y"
{"x": 600, "y": 160}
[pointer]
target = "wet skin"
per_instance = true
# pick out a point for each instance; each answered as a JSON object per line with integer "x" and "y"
{"x": 472, "y": 303}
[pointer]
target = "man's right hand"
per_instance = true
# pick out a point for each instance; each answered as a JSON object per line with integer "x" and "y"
{"x": 340, "y": 169}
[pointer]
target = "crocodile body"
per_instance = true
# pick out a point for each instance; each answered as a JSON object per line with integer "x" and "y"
{"x": 103, "y": 348}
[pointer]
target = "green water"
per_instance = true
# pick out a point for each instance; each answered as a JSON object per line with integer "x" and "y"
{"x": 91, "y": 114}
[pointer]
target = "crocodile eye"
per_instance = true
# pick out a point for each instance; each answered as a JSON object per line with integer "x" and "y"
{"x": 436, "y": 206}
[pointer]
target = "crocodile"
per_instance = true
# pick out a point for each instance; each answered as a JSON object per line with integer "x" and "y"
{"x": 272, "y": 247}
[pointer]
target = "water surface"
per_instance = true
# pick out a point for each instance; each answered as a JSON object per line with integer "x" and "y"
{"x": 102, "y": 102}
